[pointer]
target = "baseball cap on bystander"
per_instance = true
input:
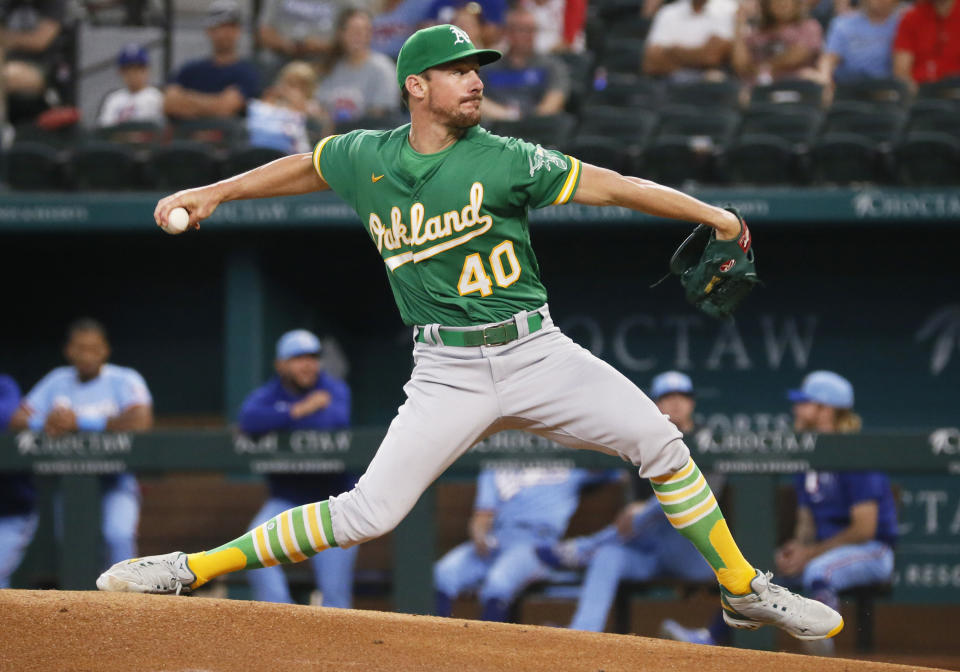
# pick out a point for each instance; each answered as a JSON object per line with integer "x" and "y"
{"x": 298, "y": 342}
{"x": 824, "y": 387}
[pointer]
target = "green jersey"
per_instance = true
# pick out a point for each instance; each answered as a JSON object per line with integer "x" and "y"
{"x": 451, "y": 226}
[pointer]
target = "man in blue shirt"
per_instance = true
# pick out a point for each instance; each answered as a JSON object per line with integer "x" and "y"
{"x": 515, "y": 510}
{"x": 860, "y": 44}
{"x": 91, "y": 395}
{"x": 301, "y": 396}
{"x": 18, "y": 518}
{"x": 218, "y": 86}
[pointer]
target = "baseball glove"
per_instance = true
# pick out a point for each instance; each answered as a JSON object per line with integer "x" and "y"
{"x": 716, "y": 274}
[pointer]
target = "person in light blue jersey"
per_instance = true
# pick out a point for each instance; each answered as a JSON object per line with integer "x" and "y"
{"x": 860, "y": 44}
{"x": 301, "y": 396}
{"x": 515, "y": 510}
{"x": 18, "y": 516}
{"x": 90, "y": 395}
{"x": 641, "y": 544}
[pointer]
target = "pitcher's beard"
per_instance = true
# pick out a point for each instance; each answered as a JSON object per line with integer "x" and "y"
{"x": 460, "y": 119}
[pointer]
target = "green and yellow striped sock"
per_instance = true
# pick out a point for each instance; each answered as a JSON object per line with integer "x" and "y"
{"x": 292, "y": 536}
{"x": 692, "y": 509}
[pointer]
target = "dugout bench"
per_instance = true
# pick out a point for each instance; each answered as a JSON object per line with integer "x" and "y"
{"x": 753, "y": 463}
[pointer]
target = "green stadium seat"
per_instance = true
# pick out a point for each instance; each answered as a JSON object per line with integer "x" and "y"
{"x": 33, "y": 166}
{"x": 761, "y": 159}
{"x": 630, "y": 126}
{"x": 723, "y": 94}
{"x": 552, "y": 131}
{"x": 102, "y": 165}
{"x": 222, "y": 132}
{"x": 626, "y": 91}
{"x": 800, "y": 92}
{"x": 947, "y": 90}
{"x": 686, "y": 144}
{"x": 846, "y": 158}
{"x": 886, "y": 92}
{"x": 602, "y": 150}
{"x": 622, "y": 54}
{"x": 242, "y": 159}
{"x": 938, "y": 117}
{"x": 928, "y": 158}
{"x": 797, "y": 125}
{"x": 132, "y": 132}
{"x": 181, "y": 164}
{"x": 879, "y": 124}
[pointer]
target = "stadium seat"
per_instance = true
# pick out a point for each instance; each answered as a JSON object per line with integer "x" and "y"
{"x": 221, "y": 132}
{"x": 724, "y": 94}
{"x": 626, "y": 91}
{"x": 550, "y": 131}
{"x": 102, "y": 165}
{"x": 878, "y": 124}
{"x": 800, "y": 92}
{"x": 797, "y": 125}
{"x": 846, "y": 158}
{"x": 132, "y": 132}
{"x": 760, "y": 159}
{"x": 934, "y": 116}
{"x": 946, "y": 90}
{"x": 890, "y": 92}
{"x": 181, "y": 164}
{"x": 33, "y": 166}
{"x": 601, "y": 150}
{"x": 629, "y": 126}
{"x": 244, "y": 158}
{"x": 685, "y": 145}
{"x": 580, "y": 67}
{"x": 622, "y": 54}
{"x": 60, "y": 138}
{"x": 928, "y": 158}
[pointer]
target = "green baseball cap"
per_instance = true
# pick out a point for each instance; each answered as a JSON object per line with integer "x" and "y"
{"x": 435, "y": 45}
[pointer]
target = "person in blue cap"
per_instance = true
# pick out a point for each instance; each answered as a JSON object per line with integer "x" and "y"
{"x": 641, "y": 544}
{"x": 846, "y": 524}
{"x": 301, "y": 396}
{"x": 138, "y": 100}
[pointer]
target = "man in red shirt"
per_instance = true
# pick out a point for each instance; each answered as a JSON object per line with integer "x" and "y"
{"x": 927, "y": 47}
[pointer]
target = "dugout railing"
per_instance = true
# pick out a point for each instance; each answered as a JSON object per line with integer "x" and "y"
{"x": 754, "y": 463}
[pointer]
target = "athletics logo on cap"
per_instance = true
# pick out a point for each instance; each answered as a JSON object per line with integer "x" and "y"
{"x": 461, "y": 35}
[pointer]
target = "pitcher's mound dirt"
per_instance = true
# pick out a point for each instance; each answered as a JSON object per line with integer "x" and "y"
{"x": 105, "y": 632}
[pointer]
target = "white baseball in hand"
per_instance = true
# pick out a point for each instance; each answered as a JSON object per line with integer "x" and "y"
{"x": 177, "y": 221}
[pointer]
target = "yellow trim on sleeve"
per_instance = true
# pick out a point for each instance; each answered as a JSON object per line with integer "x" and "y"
{"x": 316, "y": 154}
{"x": 570, "y": 184}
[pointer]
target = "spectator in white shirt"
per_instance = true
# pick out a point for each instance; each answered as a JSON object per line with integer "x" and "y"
{"x": 691, "y": 40}
{"x": 137, "y": 101}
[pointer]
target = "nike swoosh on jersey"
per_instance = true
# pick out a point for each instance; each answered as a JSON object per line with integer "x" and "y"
{"x": 375, "y": 178}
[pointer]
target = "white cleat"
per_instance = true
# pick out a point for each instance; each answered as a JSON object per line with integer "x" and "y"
{"x": 168, "y": 573}
{"x": 770, "y": 604}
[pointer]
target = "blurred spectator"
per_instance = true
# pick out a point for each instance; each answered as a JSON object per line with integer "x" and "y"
{"x": 32, "y": 34}
{"x": 860, "y": 44}
{"x": 138, "y": 100}
{"x": 641, "y": 544}
{"x": 279, "y": 118}
{"x": 524, "y": 83}
{"x": 691, "y": 40}
{"x": 553, "y": 34}
{"x": 301, "y": 396}
{"x": 784, "y": 45}
{"x": 494, "y": 13}
{"x": 218, "y": 86}
{"x": 91, "y": 395}
{"x": 515, "y": 511}
{"x": 927, "y": 47}
{"x": 846, "y": 521}
{"x": 398, "y": 20}
{"x": 846, "y": 524}
{"x": 301, "y": 29}
{"x": 362, "y": 82}
{"x": 18, "y": 516}
{"x": 469, "y": 17}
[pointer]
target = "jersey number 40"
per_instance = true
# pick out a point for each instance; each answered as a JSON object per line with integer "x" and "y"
{"x": 474, "y": 277}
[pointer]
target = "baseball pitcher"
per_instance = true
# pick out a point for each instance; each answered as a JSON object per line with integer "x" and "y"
{"x": 445, "y": 204}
